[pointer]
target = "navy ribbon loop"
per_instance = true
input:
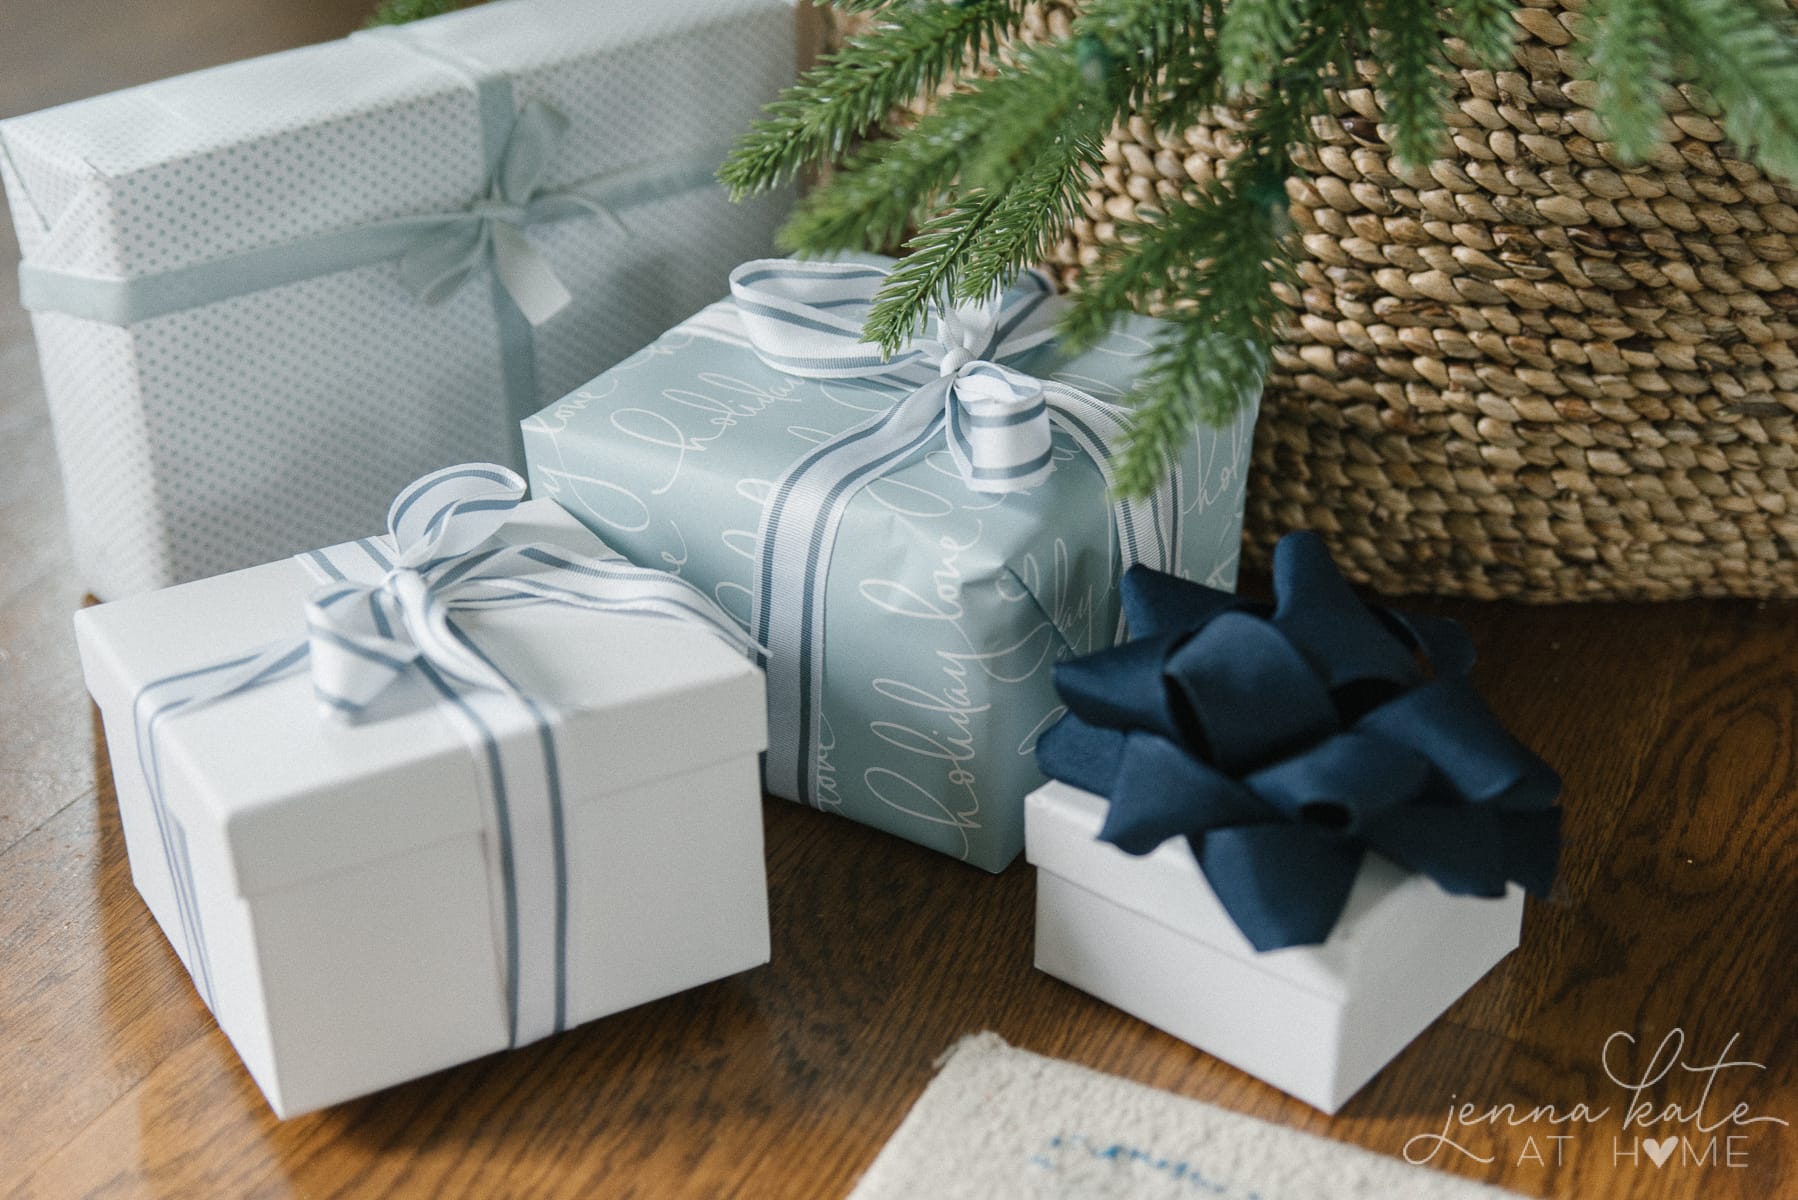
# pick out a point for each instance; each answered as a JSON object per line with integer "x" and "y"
{"x": 1285, "y": 741}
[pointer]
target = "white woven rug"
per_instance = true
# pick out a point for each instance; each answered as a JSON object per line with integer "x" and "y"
{"x": 1000, "y": 1122}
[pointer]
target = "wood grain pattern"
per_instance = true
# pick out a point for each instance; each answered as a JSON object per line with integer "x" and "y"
{"x": 1677, "y": 907}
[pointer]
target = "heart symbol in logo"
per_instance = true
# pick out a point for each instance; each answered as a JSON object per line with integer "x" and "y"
{"x": 1660, "y": 1151}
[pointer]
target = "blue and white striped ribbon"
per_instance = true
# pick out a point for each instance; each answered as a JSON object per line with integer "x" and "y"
{"x": 806, "y": 319}
{"x": 386, "y": 609}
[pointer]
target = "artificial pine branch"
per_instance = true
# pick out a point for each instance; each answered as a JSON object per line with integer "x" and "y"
{"x": 1151, "y": 45}
{"x": 399, "y": 12}
{"x": 1745, "y": 54}
{"x": 1626, "y": 54}
{"x": 888, "y": 186}
{"x": 1410, "y": 79}
{"x": 1214, "y": 262}
{"x": 1254, "y": 38}
{"x": 927, "y": 276}
{"x": 1029, "y": 101}
{"x": 999, "y": 170}
{"x": 1487, "y": 28}
{"x": 1042, "y": 202}
{"x": 851, "y": 92}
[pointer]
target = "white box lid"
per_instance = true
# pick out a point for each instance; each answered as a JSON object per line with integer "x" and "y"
{"x": 294, "y": 794}
{"x": 1389, "y": 916}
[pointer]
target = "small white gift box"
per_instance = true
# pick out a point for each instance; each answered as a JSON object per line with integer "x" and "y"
{"x": 1148, "y": 935}
{"x": 363, "y": 260}
{"x": 459, "y": 870}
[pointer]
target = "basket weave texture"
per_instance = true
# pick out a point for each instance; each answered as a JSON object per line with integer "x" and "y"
{"x": 1530, "y": 370}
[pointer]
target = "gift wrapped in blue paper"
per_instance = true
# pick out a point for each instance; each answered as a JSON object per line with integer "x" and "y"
{"x": 916, "y": 540}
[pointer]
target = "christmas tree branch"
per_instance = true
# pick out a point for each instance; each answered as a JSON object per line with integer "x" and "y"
{"x": 927, "y": 276}
{"x": 399, "y": 12}
{"x": 1254, "y": 38}
{"x": 851, "y": 92}
{"x": 1626, "y": 53}
{"x": 998, "y": 171}
{"x": 1410, "y": 79}
{"x": 1039, "y": 206}
{"x": 1745, "y": 54}
{"x": 1487, "y": 28}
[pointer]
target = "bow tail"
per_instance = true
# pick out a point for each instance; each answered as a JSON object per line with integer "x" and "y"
{"x": 355, "y": 653}
{"x": 526, "y": 275}
{"x": 441, "y": 258}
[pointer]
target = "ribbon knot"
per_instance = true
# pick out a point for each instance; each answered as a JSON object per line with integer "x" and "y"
{"x": 954, "y": 359}
{"x": 1285, "y": 742}
{"x": 363, "y": 636}
{"x": 455, "y": 244}
{"x": 806, "y": 318}
{"x": 496, "y": 208}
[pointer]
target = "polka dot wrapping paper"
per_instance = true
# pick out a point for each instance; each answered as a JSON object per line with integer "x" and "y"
{"x": 243, "y": 429}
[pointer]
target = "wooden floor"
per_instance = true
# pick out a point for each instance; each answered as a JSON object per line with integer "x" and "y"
{"x": 1677, "y": 910}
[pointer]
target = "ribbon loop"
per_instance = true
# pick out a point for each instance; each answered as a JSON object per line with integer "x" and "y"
{"x": 1289, "y": 766}
{"x": 453, "y": 245}
{"x": 806, "y": 318}
{"x": 363, "y": 636}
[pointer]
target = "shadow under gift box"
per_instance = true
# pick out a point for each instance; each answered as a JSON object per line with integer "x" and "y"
{"x": 945, "y": 607}
{"x": 1148, "y": 935}
{"x": 343, "y": 876}
{"x": 234, "y": 431}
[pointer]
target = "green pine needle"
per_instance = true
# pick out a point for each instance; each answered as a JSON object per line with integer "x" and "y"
{"x": 1035, "y": 212}
{"x": 850, "y": 92}
{"x": 928, "y": 276}
{"x": 1157, "y": 51}
{"x": 1025, "y": 105}
{"x": 1196, "y": 376}
{"x": 1745, "y": 54}
{"x": 993, "y": 177}
{"x": 1626, "y": 53}
{"x": 1216, "y": 259}
{"x": 1487, "y": 28}
{"x": 1255, "y": 38}
{"x": 882, "y": 191}
{"x": 401, "y": 12}
{"x": 1410, "y": 80}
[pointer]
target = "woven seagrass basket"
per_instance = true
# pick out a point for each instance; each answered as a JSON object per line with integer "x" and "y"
{"x": 1528, "y": 371}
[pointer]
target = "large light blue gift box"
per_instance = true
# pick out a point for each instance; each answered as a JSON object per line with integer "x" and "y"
{"x": 269, "y": 294}
{"x": 908, "y": 538}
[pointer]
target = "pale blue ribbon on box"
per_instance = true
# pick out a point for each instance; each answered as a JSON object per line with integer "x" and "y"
{"x": 955, "y": 386}
{"x": 435, "y": 252}
{"x": 385, "y": 609}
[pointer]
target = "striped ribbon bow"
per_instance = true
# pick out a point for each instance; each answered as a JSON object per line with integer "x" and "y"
{"x": 362, "y": 636}
{"x": 806, "y": 318}
{"x": 385, "y": 609}
{"x": 954, "y": 382}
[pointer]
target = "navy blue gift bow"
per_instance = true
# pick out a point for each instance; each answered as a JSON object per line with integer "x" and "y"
{"x": 1285, "y": 743}
{"x": 387, "y": 611}
{"x": 953, "y": 386}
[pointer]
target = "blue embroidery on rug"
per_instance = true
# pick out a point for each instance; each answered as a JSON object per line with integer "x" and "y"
{"x": 1180, "y": 1170}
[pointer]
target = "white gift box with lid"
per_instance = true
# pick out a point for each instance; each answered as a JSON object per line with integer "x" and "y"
{"x": 335, "y": 887}
{"x": 1148, "y": 935}
{"x": 190, "y": 424}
